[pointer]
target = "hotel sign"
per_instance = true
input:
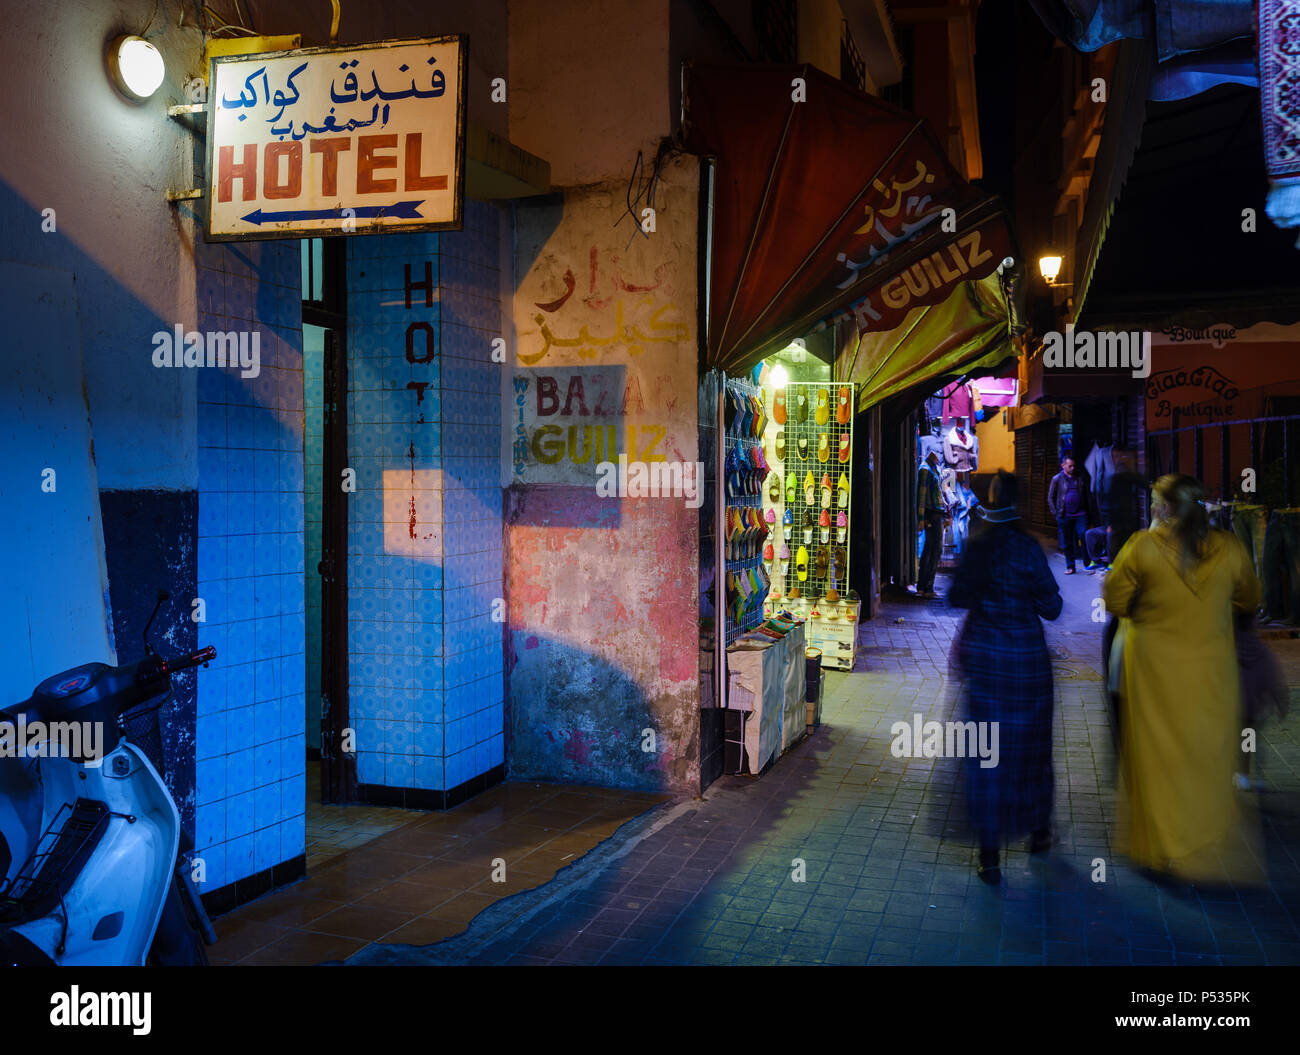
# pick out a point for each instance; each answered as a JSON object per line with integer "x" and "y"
{"x": 326, "y": 141}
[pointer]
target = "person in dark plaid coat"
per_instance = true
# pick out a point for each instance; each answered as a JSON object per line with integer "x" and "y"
{"x": 1006, "y": 586}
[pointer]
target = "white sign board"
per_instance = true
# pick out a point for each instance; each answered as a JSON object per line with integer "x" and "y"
{"x": 322, "y": 141}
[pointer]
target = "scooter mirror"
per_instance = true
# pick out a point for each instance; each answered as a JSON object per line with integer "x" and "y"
{"x": 163, "y": 595}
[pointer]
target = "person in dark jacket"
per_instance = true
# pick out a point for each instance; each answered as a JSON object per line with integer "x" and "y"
{"x": 1067, "y": 497}
{"x": 1007, "y": 588}
{"x": 931, "y": 508}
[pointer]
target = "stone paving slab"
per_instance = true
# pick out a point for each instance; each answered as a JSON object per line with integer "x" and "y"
{"x": 887, "y": 869}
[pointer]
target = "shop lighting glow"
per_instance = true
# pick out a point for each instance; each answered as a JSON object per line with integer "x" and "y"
{"x": 779, "y": 377}
{"x": 137, "y": 66}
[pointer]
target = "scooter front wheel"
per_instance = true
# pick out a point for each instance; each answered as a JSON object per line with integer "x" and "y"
{"x": 177, "y": 942}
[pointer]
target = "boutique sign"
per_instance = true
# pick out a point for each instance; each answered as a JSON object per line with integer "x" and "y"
{"x": 325, "y": 141}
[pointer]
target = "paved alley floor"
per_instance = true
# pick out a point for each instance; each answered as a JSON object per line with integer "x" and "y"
{"x": 424, "y": 879}
{"x": 887, "y": 871}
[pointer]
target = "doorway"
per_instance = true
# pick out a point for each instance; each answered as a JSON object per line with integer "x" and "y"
{"x": 331, "y": 772}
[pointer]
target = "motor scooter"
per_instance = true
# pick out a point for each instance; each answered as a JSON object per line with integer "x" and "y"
{"x": 95, "y": 866}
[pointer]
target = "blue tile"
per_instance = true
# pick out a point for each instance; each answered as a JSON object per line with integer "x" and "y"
{"x": 239, "y": 815}
{"x": 212, "y": 514}
{"x": 266, "y": 806}
{"x": 239, "y": 681}
{"x": 239, "y": 728}
{"x": 267, "y": 848}
{"x": 293, "y": 837}
{"x": 212, "y": 685}
{"x": 266, "y": 764}
{"x": 239, "y": 771}
{"x": 210, "y": 781}
{"x": 209, "y": 824}
{"x": 428, "y": 773}
{"x": 399, "y": 772}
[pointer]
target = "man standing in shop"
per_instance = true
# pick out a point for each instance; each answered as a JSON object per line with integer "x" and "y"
{"x": 1067, "y": 497}
{"x": 930, "y": 507}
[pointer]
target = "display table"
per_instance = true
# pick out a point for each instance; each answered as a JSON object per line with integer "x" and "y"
{"x": 765, "y": 681}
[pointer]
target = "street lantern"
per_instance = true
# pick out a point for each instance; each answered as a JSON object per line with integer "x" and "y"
{"x": 1049, "y": 266}
{"x": 137, "y": 67}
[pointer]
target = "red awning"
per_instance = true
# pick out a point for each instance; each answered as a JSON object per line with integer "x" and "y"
{"x": 831, "y": 204}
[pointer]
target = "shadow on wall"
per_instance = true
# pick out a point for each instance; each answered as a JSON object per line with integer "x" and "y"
{"x": 549, "y": 739}
{"x": 148, "y": 530}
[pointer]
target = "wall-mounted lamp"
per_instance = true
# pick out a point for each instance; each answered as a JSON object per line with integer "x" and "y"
{"x": 1049, "y": 266}
{"x": 137, "y": 67}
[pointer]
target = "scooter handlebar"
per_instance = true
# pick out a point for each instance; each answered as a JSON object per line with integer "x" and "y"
{"x": 194, "y": 659}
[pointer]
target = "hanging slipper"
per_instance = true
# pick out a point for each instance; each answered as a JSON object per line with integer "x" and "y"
{"x": 769, "y": 553}
{"x": 809, "y": 489}
{"x": 801, "y": 408}
{"x": 843, "y": 496}
{"x": 839, "y": 563}
{"x": 778, "y": 408}
{"x": 803, "y": 447}
{"x": 790, "y": 487}
{"x": 780, "y": 446}
{"x": 784, "y": 552}
{"x": 770, "y": 516}
{"x": 826, "y": 490}
{"x": 823, "y": 560}
{"x": 745, "y": 416}
{"x": 844, "y": 447}
{"x": 843, "y": 406}
{"x": 841, "y": 526}
{"x": 809, "y": 527}
{"x": 774, "y": 488}
{"x": 801, "y": 564}
{"x": 824, "y": 448}
{"x": 787, "y": 521}
{"x": 823, "y": 413}
{"x": 825, "y": 522}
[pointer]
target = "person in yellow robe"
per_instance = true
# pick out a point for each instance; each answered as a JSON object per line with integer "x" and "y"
{"x": 1176, "y": 588}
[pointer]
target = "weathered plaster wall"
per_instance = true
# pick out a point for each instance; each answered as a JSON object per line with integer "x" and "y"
{"x": 75, "y": 146}
{"x": 588, "y": 85}
{"x": 819, "y": 34}
{"x": 603, "y": 592}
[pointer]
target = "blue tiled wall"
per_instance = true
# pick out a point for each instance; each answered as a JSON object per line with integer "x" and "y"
{"x": 250, "y": 743}
{"x": 425, "y": 654}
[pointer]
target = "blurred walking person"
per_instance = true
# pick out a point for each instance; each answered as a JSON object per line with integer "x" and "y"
{"x": 1006, "y": 586}
{"x": 1175, "y": 588}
